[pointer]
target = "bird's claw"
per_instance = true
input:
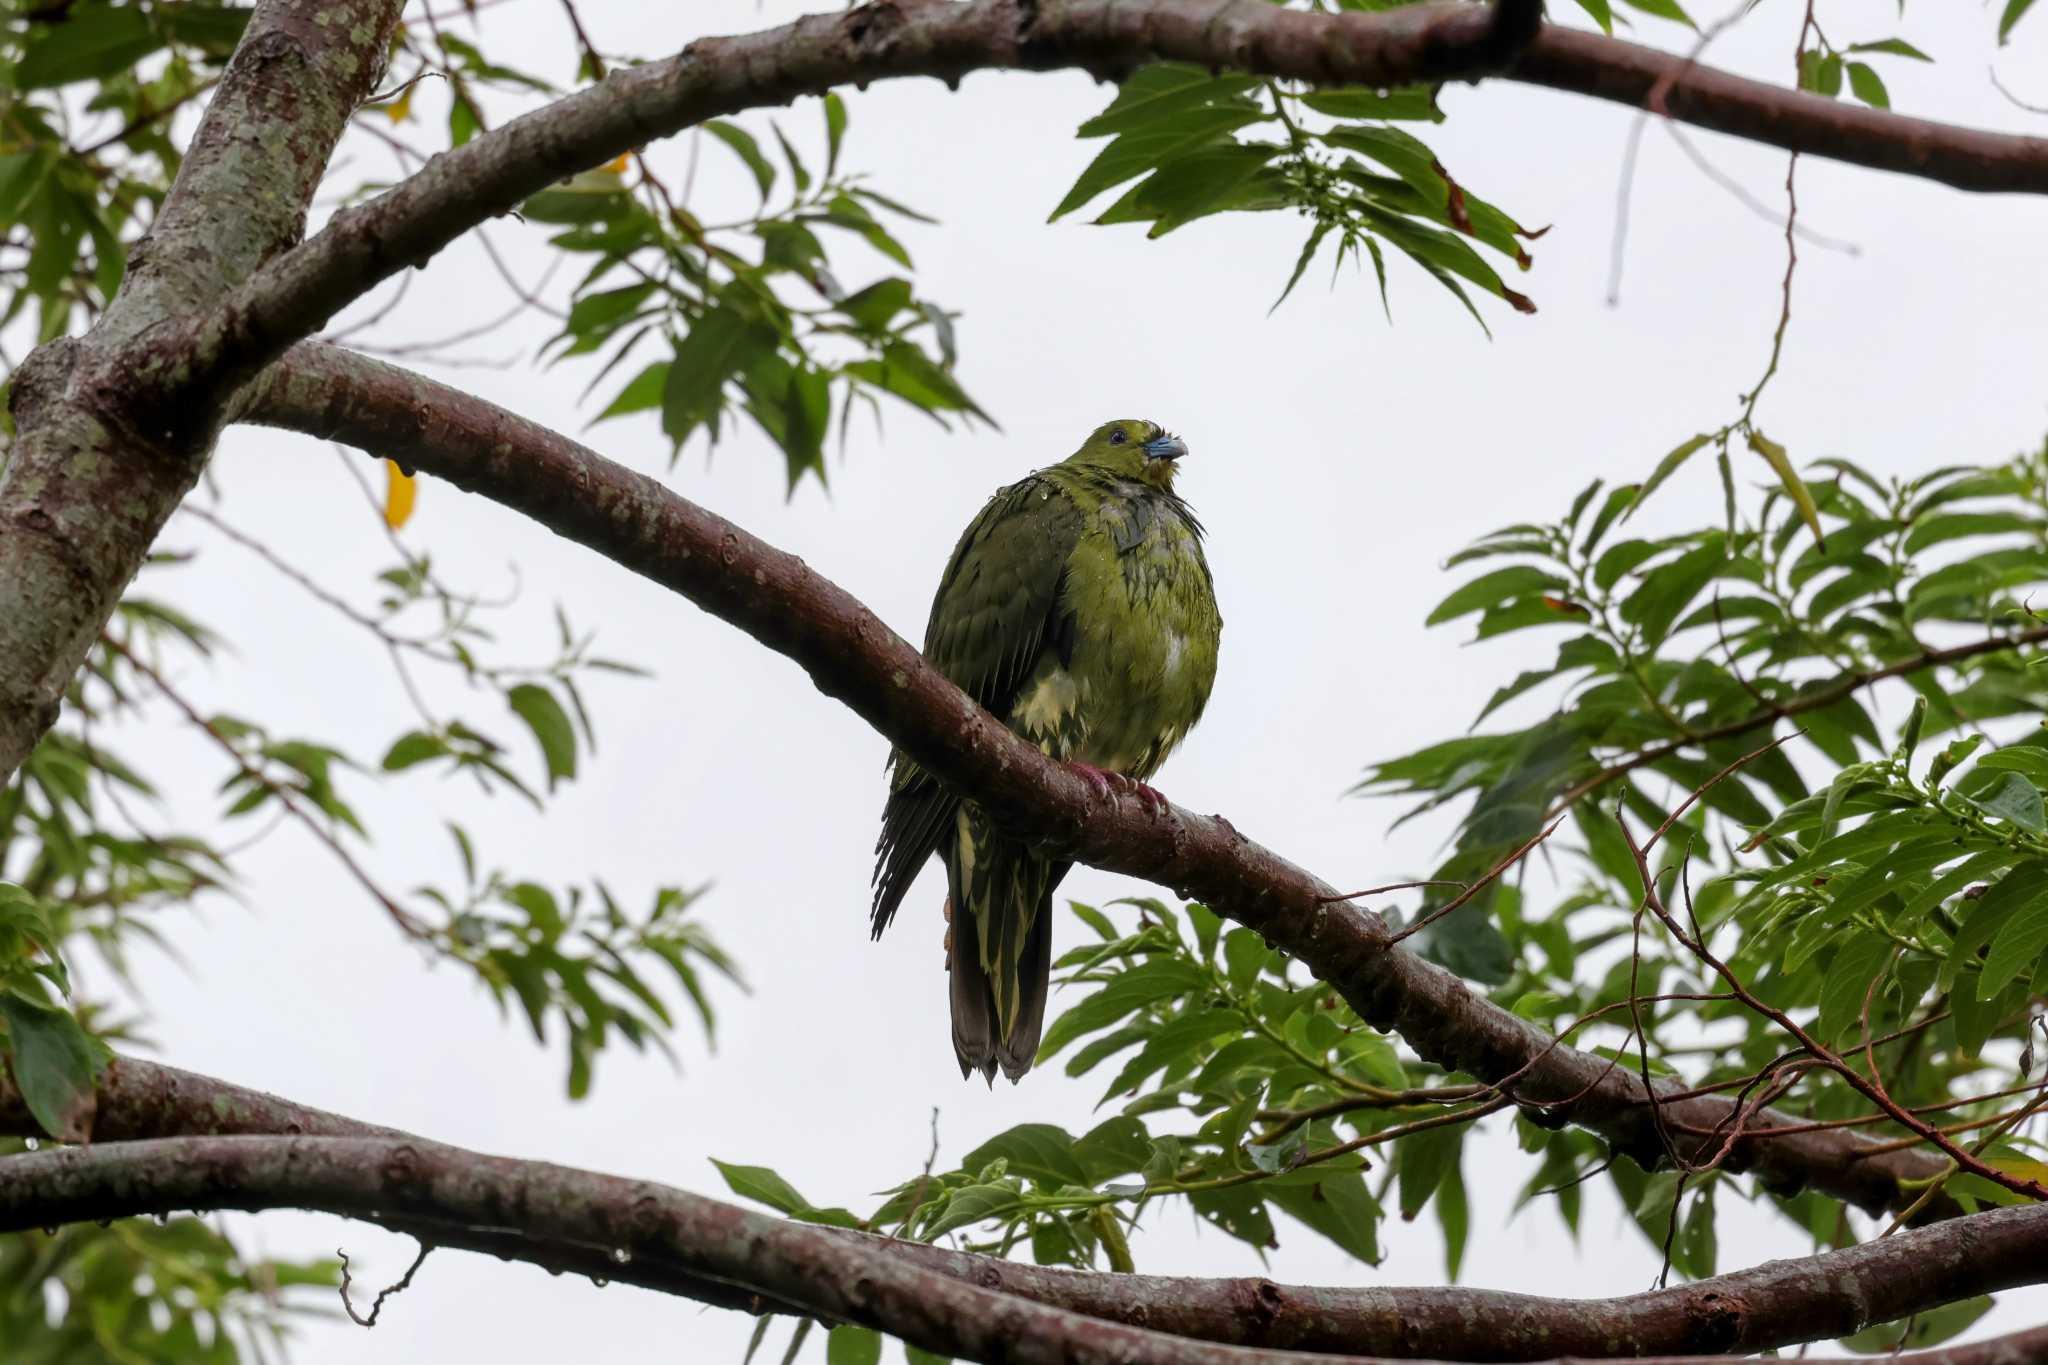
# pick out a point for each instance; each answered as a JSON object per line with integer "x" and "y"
{"x": 1115, "y": 786}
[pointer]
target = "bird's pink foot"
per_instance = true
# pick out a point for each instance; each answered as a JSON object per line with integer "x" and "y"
{"x": 1116, "y": 785}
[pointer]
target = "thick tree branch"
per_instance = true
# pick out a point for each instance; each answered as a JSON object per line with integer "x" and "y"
{"x": 297, "y": 294}
{"x": 114, "y": 430}
{"x": 1608, "y": 69}
{"x": 679, "y": 1243}
{"x": 854, "y": 657}
{"x": 97, "y": 466}
{"x": 137, "y": 1100}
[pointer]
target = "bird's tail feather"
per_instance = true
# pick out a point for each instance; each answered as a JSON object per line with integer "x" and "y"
{"x": 999, "y": 954}
{"x": 974, "y": 1028}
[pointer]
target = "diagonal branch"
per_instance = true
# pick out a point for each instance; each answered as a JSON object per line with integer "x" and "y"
{"x": 297, "y": 294}
{"x": 852, "y": 656}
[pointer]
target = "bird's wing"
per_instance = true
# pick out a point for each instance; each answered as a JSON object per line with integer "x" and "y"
{"x": 997, "y": 609}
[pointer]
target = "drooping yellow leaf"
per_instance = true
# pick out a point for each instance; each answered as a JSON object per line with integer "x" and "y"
{"x": 400, "y": 490}
{"x": 1795, "y": 487}
{"x": 400, "y": 109}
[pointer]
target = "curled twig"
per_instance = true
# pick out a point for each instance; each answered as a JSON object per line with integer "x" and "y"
{"x": 377, "y": 1304}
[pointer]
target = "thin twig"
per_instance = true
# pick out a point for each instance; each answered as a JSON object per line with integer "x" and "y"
{"x": 1469, "y": 892}
{"x": 1844, "y": 686}
{"x": 377, "y": 1304}
{"x": 406, "y": 922}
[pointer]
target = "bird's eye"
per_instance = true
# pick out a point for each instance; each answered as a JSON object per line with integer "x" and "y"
{"x": 1118, "y": 437}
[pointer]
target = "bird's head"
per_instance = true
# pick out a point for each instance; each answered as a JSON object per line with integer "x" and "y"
{"x": 1137, "y": 450}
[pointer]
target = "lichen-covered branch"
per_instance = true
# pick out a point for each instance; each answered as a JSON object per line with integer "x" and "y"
{"x": 852, "y": 656}
{"x": 108, "y": 440}
{"x": 680, "y": 1243}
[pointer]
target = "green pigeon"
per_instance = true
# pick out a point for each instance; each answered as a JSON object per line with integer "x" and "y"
{"x": 1078, "y": 608}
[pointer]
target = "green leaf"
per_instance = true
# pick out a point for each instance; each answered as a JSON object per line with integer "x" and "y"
{"x": 22, "y": 176}
{"x": 1622, "y": 556}
{"x": 1041, "y": 1151}
{"x": 1930, "y": 1327}
{"x": 1909, "y": 737}
{"x": 1190, "y": 187}
{"x": 1239, "y": 1211}
{"x": 874, "y": 306}
{"x": 761, "y": 1185}
{"x": 55, "y": 1063}
{"x": 1820, "y": 72}
{"x": 1316, "y": 235}
{"x": 2015, "y": 10}
{"x": 1897, "y": 47}
{"x": 1666, "y": 467}
{"x": 1866, "y": 85}
{"x": 1929, "y": 531}
{"x": 835, "y": 131}
{"x": 413, "y": 748}
{"x": 591, "y": 197}
{"x": 1245, "y": 955}
{"x": 2025, "y": 759}
{"x": 2017, "y": 800}
{"x": 1411, "y": 103}
{"x": 642, "y": 392}
{"x": 1114, "y": 1147}
{"x": 1275, "y": 1157}
{"x": 1666, "y": 590}
{"x": 764, "y": 1186}
{"x": 719, "y": 345}
{"x": 551, "y": 727}
{"x": 1426, "y": 1160}
{"x": 1619, "y": 500}
{"x": 1162, "y": 93}
{"x": 1518, "y": 580}
{"x": 1129, "y": 991}
{"x": 1602, "y": 14}
{"x": 1663, "y": 9}
{"x": 85, "y": 43}
{"x": 749, "y": 151}
{"x": 1339, "y": 1207}
{"x": 848, "y": 1345}
{"x": 2018, "y": 942}
{"x": 1136, "y": 153}
{"x": 1694, "y": 1250}
{"x": 1856, "y": 964}
{"x": 972, "y": 1204}
{"x": 796, "y": 165}
{"x": 907, "y": 372}
{"x": 214, "y": 29}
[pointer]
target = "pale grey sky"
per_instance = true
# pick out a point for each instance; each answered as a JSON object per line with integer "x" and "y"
{"x": 1336, "y": 460}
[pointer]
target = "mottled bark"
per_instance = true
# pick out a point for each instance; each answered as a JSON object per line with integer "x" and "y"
{"x": 852, "y": 656}
{"x": 111, "y": 432}
{"x": 973, "y": 1307}
{"x": 1778, "y": 1304}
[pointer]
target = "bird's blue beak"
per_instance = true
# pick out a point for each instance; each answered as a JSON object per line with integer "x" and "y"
{"x": 1165, "y": 448}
